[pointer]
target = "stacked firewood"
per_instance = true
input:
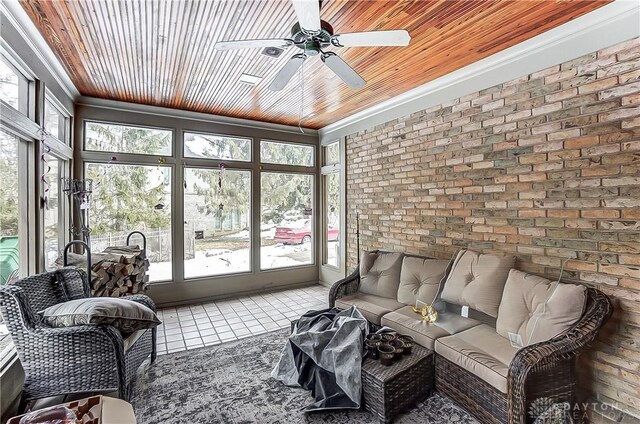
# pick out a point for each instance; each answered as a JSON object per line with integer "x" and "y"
{"x": 117, "y": 271}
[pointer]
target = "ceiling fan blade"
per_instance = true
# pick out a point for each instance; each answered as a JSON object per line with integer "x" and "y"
{"x": 287, "y": 72}
{"x": 308, "y": 12}
{"x": 251, "y": 44}
{"x": 344, "y": 71}
{"x": 397, "y": 37}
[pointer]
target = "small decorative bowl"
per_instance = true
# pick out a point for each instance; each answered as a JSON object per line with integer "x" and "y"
{"x": 387, "y": 337}
{"x": 373, "y": 336}
{"x": 408, "y": 343}
{"x": 398, "y": 346}
{"x": 386, "y": 352}
{"x": 372, "y": 348}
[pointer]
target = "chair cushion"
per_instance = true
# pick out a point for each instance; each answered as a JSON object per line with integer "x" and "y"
{"x": 477, "y": 280}
{"x": 126, "y": 315}
{"x": 523, "y": 310}
{"x": 420, "y": 279}
{"x": 481, "y": 351}
{"x": 383, "y": 276}
{"x": 366, "y": 261}
{"x": 371, "y": 306}
{"x": 405, "y": 321}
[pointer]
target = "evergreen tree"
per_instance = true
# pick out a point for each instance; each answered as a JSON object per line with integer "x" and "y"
{"x": 128, "y": 197}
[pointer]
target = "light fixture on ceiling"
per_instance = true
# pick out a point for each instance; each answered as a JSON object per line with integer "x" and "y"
{"x": 249, "y": 79}
{"x": 272, "y": 51}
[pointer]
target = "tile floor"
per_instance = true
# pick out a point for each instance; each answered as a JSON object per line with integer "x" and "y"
{"x": 194, "y": 326}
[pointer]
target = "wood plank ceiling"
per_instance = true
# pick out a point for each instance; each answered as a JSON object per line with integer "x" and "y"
{"x": 160, "y": 52}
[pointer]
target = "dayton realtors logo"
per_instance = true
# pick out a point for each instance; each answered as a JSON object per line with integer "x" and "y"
{"x": 546, "y": 410}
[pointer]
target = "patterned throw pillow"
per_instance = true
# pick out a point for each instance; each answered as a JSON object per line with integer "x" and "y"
{"x": 125, "y": 315}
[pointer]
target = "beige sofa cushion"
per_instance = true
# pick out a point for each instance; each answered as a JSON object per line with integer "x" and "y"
{"x": 383, "y": 277}
{"x": 366, "y": 261}
{"x": 523, "y": 311}
{"x": 477, "y": 280}
{"x": 405, "y": 321}
{"x": 371, "y": 306}
{"x": 481, "y": 351}
{"x": 420, "y": 279}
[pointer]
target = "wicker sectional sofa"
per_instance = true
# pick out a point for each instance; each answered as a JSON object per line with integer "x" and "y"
{"x": 505, "y": 341}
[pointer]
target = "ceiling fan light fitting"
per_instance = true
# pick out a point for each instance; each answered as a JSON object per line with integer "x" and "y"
{"x": 272, "y": 51}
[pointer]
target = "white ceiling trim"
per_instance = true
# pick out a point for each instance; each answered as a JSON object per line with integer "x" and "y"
{"x": 23, "y": 24}
{"x": 187, "y": 114}
{"x": 611, "y": 24}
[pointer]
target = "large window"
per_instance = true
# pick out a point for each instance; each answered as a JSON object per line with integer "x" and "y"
{"x": 210, "y": 204}
{"x": 217, "y": 220}
{"x": 213, "y": 146}
{"x": 114, "y": 138}
{"x": 31, "y": 163}
{"x": 132, "y": 198}
{"x": 286, "y": 227}
{"x": 286, "y": 153}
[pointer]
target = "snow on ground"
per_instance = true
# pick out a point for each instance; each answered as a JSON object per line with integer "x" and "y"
{"x": 223, "y": 261}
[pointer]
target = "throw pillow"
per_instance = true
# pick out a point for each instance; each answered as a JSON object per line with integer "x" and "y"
{"x": 538, "y": 309}
{"x": 383, "y": 277}
{"x": 420, "y": 279}
{"x": 477, "y": 280}
{"x": 126, "y": 315}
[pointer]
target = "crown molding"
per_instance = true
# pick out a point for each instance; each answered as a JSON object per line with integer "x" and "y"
{"x": 15, "y": 14}
{"x": 611, "y": 24}
{"x": 186, "y": 114}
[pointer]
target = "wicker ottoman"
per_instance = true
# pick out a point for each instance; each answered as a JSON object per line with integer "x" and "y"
{"x": 391, "y": 390}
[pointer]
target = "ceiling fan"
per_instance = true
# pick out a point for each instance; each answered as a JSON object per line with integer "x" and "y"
{"x": 312, "y": 35}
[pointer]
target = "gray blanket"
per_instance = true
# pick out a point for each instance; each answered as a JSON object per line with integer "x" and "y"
{"x": 324, "y": 355}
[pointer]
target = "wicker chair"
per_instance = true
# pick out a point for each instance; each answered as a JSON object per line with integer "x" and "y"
{"x": 74, "y": 359}
{"x": 544, "y": 370}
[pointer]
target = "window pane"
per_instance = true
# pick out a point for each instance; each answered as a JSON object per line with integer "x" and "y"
{"x": 9, "y": 206}
{"x": 132, "y": 198}
{"x": 51, "y": 212}
{"x": 287, "y": 220}
{"x": 212, "y": 146}
{"x": 51, "y": 120}
{"x": 217, "y": 222}
{"x": 127, "y": 139}
{"x": 332, "y": 200}
{"x": 332, "y": 154}
{"x": 286, "y": 153}
{"x": 9, "y": 85}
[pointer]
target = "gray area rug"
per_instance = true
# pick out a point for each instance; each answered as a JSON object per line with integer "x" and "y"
{"x": 230, "y": 383}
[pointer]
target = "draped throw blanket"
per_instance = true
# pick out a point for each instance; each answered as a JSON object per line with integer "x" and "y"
{"x": 324, "y": 355}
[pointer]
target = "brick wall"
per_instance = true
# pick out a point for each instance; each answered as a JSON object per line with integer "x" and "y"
{"x": 546, "y": 166}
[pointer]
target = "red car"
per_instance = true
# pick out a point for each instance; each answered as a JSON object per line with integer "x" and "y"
{"x": 300, "y": 232}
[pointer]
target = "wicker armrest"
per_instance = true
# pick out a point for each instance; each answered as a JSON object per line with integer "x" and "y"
{"x": 562, "y": 347}
{"x": 344, "y": 287}
{"x": 143, "y": 299}
{"x": 14, "y": 305}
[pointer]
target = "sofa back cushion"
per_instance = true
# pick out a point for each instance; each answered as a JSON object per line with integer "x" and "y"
{"x": 523, "y": 310}
{"x": 477, "y": 280}
{"x": 381, "y": 275}
{"x": 420, "y": 279}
